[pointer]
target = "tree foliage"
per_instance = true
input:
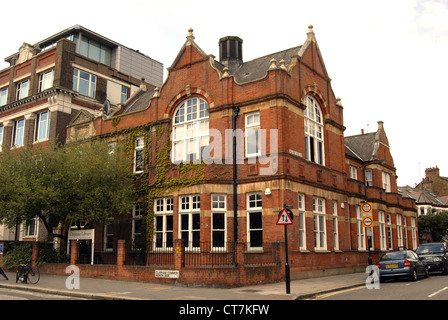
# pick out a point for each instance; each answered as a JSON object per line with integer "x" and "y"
{"x": 80, "y": 182}
{"x": 436, "y": 224}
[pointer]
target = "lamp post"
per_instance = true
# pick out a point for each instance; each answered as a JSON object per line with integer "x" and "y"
{"x": 368, "y": 163}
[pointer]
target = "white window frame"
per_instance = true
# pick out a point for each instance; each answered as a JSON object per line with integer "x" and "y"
{"x": 254, "y": 206}
{"x": 320, "y": 228}
{"x": 386, "y": 181}
{"x": 389, "y": 232}
{"x": 137, "y": 217}
{"x": 219, "y": 207}
{"x": 368, "y": 178}
{"x": 190, "y": 208}
{"x": 302, "y": 222}
{"x": 414, "y": 233}
{"x": 314, "y": 131}
{"x": 42, "y": 131}
{"x": 108, "y": 232}
{"x": 382, "y": 229}
{"x": 77, "y": 73}
{"x": 353, "y": 173}
{"x": 334, "y": 205}
{"x": 1, "y": 137}
{"x": 3, "y": 96}
{"x": 31, "y": 227}
{"x": 23, "y": 89}
{"x": 361, "y": 232}
{"x": 399, "y": 230}
{"x": 18, "y": 136}
{"x": 46, "y": 79}
{"x": 252, "y": 131}
{"x": 164, "y": 233}
{"x": 139, "y": 152}
{"x": 190, "y": 136}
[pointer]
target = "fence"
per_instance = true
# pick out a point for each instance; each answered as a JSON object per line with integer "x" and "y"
{"x": 207, "y": 254}
{"x": 268, "y": 254}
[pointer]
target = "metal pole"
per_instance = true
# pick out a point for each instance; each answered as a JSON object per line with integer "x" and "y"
{"x": 288, "y": 287}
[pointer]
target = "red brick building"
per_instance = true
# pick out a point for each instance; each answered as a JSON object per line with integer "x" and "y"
{"x": 213, "y": 189}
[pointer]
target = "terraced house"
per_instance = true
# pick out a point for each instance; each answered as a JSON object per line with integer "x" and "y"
{"x": 73, "y": 73}
{"x": 225, "y": 144}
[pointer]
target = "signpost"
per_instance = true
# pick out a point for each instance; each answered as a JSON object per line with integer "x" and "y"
{"x": 367, "y": 222}
{"x": 285, "y": 218}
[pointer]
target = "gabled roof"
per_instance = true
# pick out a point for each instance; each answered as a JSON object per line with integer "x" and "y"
{"x": 361, "y": 146}
{"x": 422, "y": 196}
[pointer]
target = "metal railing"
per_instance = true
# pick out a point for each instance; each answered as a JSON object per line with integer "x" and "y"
{"x": 210, "y": 254}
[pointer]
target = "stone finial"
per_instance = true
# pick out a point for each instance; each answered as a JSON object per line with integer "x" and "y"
{"x": 226, "y": 72}
{"x": 338, "y": 102}
{"x": 282, "y": 65}
{"x": 273, "y": 65}
{"x": 156, "y": 93}
{"x": 310, "y": 34}
{"x": 190, "y": 35}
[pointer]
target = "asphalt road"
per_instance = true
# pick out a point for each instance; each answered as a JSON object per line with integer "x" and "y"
{"x": 433, "y": 288}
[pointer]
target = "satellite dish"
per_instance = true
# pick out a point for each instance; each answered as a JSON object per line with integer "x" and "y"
{"x": 106, "y": 107}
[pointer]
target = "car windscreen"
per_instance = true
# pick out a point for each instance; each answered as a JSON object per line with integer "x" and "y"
{"x": 394, "y": 256}
{"x": 430, "y": 248}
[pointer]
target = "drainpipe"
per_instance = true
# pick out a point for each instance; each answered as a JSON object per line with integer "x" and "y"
{"x": 236, "y": 110}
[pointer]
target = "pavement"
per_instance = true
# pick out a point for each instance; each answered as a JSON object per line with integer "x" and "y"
{"x": 105, "y": 289}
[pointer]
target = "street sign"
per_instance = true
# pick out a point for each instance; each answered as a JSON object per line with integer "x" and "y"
{"x": 284, "y": 218}
{"x": 367, "y": 222}
{"x": 366, "y": 209}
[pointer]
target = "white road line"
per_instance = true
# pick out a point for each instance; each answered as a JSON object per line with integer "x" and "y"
{"x": 437, "y": 292}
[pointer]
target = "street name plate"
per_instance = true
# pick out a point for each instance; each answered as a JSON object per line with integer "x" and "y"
{"x": 169, "y": 274}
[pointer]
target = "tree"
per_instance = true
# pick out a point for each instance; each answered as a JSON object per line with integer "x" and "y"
{"x": 436, "y": 224}
{"x": 81, "y": 182}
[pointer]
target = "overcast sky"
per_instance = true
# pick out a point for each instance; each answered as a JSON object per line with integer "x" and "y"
{"x": 387, "y": 59}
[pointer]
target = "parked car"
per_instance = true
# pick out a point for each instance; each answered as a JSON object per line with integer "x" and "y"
{"x": 435, "y": 255}
{"x": 399, "y": 264}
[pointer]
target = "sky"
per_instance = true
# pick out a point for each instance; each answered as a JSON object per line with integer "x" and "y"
{"x": 387, "y": 58}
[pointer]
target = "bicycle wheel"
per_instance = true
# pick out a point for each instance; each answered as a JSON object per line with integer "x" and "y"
{"x": 33, "y": 275}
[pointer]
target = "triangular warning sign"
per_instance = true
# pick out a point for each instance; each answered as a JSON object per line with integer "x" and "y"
{"x": 284, "y": 218}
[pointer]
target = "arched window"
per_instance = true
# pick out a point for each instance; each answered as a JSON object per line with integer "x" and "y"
{"x": 190, "y": 131}
{"x": 314, "y": 131}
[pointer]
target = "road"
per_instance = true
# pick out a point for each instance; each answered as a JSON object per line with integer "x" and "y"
{"x": 11, "y": 294}
{"x": 433, "y": 288}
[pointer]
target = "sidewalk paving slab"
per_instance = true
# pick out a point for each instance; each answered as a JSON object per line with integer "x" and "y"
{"x": 105, "y": 289}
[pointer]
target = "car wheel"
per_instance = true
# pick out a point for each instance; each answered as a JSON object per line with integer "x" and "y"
{"x": 413, "y": 275}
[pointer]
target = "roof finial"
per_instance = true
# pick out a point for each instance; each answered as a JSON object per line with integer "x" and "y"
{"x": 310, "y": 33}
{"x": 190, "y": 35}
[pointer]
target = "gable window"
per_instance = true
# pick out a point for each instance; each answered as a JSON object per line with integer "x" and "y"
{"x": 138, "y": 155}
{"x": 3, "y": 96}
{"x": 252, "y": 133}
{"x": 314, "y": 131}
{"x": 190, "y": 135}
{"x": 124, "y": 94}
{"x": 254, "y": 221}
{"x": 84, "y": 83}
{"x": 42, "y": 126}
{"x": 163, "y": 229}
{"x": 18, "y": 133}
{"x": 190, "y": 220}
{"x": 46, "y": 80}
{"x": 23, "y": 89}
{"x": 368, "y": 178}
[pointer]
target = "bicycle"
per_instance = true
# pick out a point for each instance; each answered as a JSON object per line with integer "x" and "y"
{"x": 27, "y": 273}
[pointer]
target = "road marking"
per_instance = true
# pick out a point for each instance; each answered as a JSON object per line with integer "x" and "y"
{"x": 437, "y": 292}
